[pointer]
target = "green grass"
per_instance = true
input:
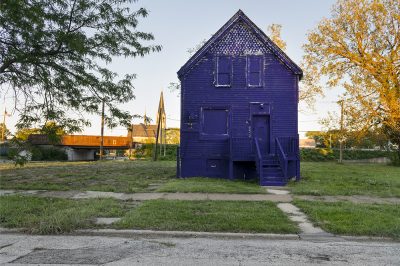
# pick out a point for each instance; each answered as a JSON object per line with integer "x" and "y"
{"x": 209, "y": 216}
{"x": 211, "y": 185}
{"x": 117, "y": 176}
{"x": 346, "y": 218}
{"x": 53, "y": 215}
{"x": 328, "y": 178}
{"x": 114, "y": 176}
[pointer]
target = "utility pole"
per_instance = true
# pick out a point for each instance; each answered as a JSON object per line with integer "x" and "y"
{"x": 3, "y": 129}
{"x": 165, "y": 139}
{"x": 131, "y": 142}
{"x": 341, "y": 102}
{"x": 102, "y": 131}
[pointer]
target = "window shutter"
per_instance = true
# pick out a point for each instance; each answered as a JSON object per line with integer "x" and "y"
{"x": 254, "y": 70}
{"x": 224, "y": 71}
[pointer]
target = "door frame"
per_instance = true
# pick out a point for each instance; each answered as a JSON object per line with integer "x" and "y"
{"x": 267, "y": 118}
{"x": 261, "y": 109}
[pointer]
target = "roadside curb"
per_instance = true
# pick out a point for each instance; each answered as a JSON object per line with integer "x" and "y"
{"x": 183, "y": 234}
{"x": 369, "y": 238}
{"x": 326, "y": 237}
{"x": 153, "y": 233}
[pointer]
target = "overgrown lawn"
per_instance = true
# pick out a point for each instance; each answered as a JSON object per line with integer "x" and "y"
{"x": 54, "y": 215}
{"x": 329, "y": 178}
{"x": 116, "y": 176}
{"x": 346, "y": 218}
{"x": 209, "y": 216}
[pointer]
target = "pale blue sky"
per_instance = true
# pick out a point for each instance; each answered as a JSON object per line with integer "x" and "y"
{"x": 178, "y": 25}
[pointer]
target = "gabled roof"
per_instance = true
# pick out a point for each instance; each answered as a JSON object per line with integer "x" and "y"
{"x": 142, "y": 130}
{"x": 241, "y": 17}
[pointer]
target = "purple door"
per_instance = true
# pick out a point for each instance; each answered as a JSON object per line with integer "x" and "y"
{"x": 260, "y": 125}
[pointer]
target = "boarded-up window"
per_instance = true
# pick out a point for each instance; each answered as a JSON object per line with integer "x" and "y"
{"x": 254, "y": 70}
{"x": 223, "y": 71}
{"x": 215, "y": 121}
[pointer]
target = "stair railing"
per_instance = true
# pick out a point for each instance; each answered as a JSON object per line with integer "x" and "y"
{"x": 283, "y": 160}
{"x": 259, "y": 158}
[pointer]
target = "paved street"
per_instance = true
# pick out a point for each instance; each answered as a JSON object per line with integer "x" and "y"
{"x": 94, "y": 250}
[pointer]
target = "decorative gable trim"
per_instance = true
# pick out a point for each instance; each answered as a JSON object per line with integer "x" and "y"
{"x": 240, "y": 17}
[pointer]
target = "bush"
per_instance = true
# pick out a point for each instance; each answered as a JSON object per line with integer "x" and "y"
{"x": 146, "y": 152}
{"x": 395, "y": 158}
{"x": 40, "y": 153}
{"x": 53, "y": 154}
{"x": 4, "y": 147}
{"x": 317, "y": 155}
{"x": 36, "y": 154}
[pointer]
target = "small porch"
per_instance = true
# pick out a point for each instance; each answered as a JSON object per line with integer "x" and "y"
{"x": 273, "y": 166}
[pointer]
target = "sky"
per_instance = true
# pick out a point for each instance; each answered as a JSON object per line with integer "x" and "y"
{"x": 179, "y": 25}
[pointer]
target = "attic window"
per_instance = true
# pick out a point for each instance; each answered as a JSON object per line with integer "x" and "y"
{"x": 223, "y": 71}
{"x": 254, "y": 70}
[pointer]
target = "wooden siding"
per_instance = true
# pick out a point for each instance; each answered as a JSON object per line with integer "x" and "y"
{"x": 278, "y": 91}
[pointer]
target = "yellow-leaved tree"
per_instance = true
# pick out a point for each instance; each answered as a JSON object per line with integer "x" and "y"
{"x": 274, "y": 33}
{"x": 358, "y": 49}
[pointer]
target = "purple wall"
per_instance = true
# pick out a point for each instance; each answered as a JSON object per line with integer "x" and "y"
{"x": 235, "y": 78}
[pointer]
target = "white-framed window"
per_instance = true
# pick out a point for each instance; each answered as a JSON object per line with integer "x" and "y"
{"x": 254, "y": 68}
{"x": 223, "y": 73}
{"x": 214, "y": 122}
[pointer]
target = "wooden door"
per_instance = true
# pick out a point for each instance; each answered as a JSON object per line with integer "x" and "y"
{"x": 261, "y": 132}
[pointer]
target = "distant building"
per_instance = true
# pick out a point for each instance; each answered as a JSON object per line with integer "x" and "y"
{"x": 147, "y": 133}
{"x": 144, "y": 133}
{"x": 307, "y": 143}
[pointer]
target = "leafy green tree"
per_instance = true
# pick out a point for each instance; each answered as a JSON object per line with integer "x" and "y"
{"x": 358, "y": 49}
{"x": 56, "y": 55}
{"x": 51, "y": 129}
{"x": 23, "y": 134}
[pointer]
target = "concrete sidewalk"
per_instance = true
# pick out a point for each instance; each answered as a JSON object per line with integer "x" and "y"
{"x": 149, "y": 196}
{"x": 275, "y": 195}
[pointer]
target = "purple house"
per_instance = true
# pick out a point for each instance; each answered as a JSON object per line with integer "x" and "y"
{"x": 239, "y": 102}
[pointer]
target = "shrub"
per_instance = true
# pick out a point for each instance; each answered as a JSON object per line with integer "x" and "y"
{"x": 146, "y": 152}
{"x": 395, "y": 158}
{"x": 315, "y": 155}
{"x": 53, "y": 154}
{"x": 39, "y": 153}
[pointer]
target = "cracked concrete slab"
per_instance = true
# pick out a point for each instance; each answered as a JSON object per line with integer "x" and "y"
{"x": 297, "y": 216}
{"x": 143, "y": 196}
{"x": 289, "y": 208}
{"x": 277, "y": 191}
{"x": 98, "y": 194}
{"x": 106, "y": 221}
{"x": 276, "y": 195}
{"x": 151, "y": 196}
{"x": 185, "y": 196}
{"x": 7, "y": 192}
